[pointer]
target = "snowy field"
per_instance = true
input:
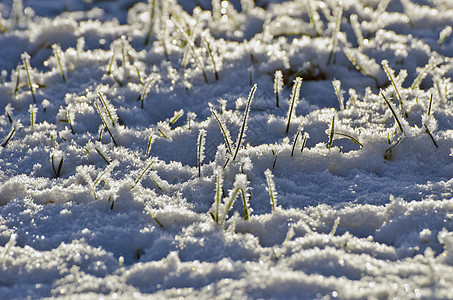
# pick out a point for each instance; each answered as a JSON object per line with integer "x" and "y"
{"x": 226, "y": 149}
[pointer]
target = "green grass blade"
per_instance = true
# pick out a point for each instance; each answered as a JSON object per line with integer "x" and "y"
{"x": 271, "y": 188}
{"x": 294, "y": 142}
{"x": 142, "y": 174}
{"x": 332, "y": 131}
{"x": 244, "y": 122}
{"x": 393, "y": 112}
{"x": 350, "y": 137}
{"x": 200, "y": 149}
{"x": 24, "y": 57}
{"x": 244, "y": 203}
{"x": 430, "y": 135}
{"x": 294, "y": 100}
{"x": 10, "y": 136}
{"x": 224, "y": 129}
{"x": 155, "y": 218}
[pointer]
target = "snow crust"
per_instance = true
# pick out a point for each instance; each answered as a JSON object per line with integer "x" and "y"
{"x": 117, "y": 157}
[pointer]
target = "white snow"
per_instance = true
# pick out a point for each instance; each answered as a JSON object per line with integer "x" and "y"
{"x": 117, "y": 163}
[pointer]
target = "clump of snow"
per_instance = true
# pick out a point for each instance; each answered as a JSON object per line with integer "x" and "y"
{"x": 119, "y": 177}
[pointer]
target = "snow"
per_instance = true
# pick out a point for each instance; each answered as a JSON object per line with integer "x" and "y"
{"x": 127, "y": 170}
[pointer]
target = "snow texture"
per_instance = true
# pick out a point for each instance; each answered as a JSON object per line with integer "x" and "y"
{"x": 117, "y": 163}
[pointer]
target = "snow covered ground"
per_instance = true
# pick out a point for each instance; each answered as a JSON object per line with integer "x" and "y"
{"x": 121, "y": 152}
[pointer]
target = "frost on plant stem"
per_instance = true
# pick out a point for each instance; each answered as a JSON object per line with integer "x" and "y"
{"x": 145, "y": 91}
{"x": 57, "y": 156}
{"x": 191, "y": 45}
{"x": 57, "y": 52}
{"x": 433, "y": 62}
{"x": 393, "y": 112}
{"x": 223, "y": 129}
{"x": 278, "y": 85}
{"x": 208, "y": 43}
{"x": 240, "y": 185}
{"x": 109, "y": 109}
{"x": 164, "y": 129}
{"x": 152, "y": 19}
{"x": 9, "y": 112}
{"x": 16, "y": 125}
{"x": 33, "y": 110}
{"x": 218, "y": 193}
{"x": 295, "y": 139}
{"x": 314, "y": 18}
{"x": 241, "y": 134}
{"x": 271, "y": 188}
{"x": 357, "y": 29}
{"x": 332, "y": 132}
{"x": 444, "y": 34}
{"x": 26, "y": 57}
{"x": 139, "y": 178}
{"x": 353, "y": 95}
{"x": 176, "y": 116}
{"x": 294, "y": 101}
{"x": 201, "y": 140}
{"x": 377, "y": 16}
{"x": 339, "y": 92}
{"x": 84, "y": 172}
{"x": 338, "y": 15}
{"x": 190, "y": 118}
{"x": 148, "y": 147}
{"x": 396, "y": 82}
{"x": 222, "y": 104}
{"x": 104, "y": 175}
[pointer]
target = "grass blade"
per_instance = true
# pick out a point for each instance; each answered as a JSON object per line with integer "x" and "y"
{"x": 218, "y": 193}
{"x": 229, "y": 202}
{"x": 350, "y": 137}
{"x": 102, "y": 155}
{"x": 278, "y": 85}
{"x": 338, "y": 15}
{"x": 294, "y": 142}
{"x": 142, "y": 174}
{"x": 304, "y": 142}
{"x": 271, "y": 188}
{"x": 143, "y": 95}
{"x": 208, "y": 46}
{"x": 105, "y": 123}
{"x": 148, "y": 209}
{"x": 25, "y": 56}
{"x": 56, "y": 50}
{"x": 148, "y": 148}
{"x": 192, "y": 47}
{"x": 10, "y": 136}
{"x": 244, "y": 122}
{"x": 244, "y": 203}
{"x": 200, "y": 149}
{"x": 390, "y": 77}
{"x": 294, "y": 100}
{"x": 332, "y": 131}
{"x": 393, "y": 112}
{"x": 224, "y": 129}
{"x": 430, "y": 135}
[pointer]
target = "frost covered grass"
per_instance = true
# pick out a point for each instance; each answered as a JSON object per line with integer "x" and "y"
{"x": 119, "y": 176}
